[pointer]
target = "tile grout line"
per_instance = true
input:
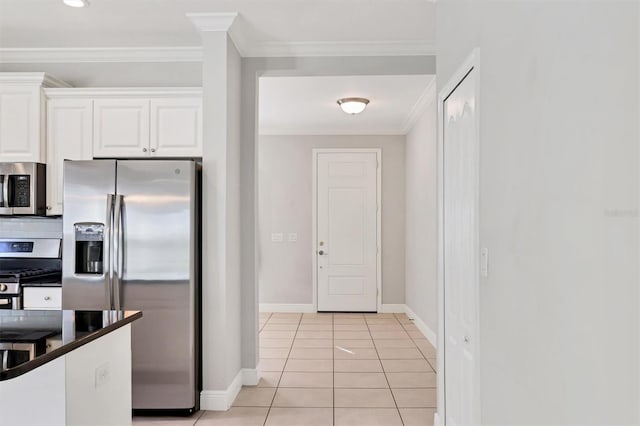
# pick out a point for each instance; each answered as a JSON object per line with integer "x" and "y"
{"x": 282, "y": 372}
{"x": 333, "y": 365}
{"x": 383, "y": 370}
{"x": 199, "y": 417}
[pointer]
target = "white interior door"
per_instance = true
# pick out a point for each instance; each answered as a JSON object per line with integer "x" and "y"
{"x": 460, "y": 189}
{"x": 347, "y": 231}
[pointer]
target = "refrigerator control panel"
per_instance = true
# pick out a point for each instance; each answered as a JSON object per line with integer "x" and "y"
{"x": 89, "y": 231}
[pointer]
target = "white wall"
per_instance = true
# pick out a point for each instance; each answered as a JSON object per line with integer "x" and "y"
{"x": 558, "y": 205}
{"x": 285, "y": 182}
{"x": 234, "y": 324}
{"x": 221, "y": 291}
{"x": 421, "y": 221}
{"x": 119, "y": 74}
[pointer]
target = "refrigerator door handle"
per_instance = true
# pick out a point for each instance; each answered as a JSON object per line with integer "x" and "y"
{"x": 107, "y": 247}
{"x": 117, "y": 253}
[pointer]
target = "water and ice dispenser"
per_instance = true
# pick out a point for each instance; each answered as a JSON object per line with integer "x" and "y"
{"x": 89, "y": 248}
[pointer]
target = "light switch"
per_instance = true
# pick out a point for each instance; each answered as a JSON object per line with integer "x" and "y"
{"x": 293, "y": 237}
{"x": 277, "y": 237}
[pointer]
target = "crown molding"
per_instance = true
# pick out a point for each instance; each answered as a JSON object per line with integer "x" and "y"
{"x": 100, "y": 54}
{"x": 284, "y": 130}
{"x": 32, "y": 78}
{"x": 427, "y": 97}
{"x": 206, "y": 22}
{"x": 120, "y": 92}
{"x": 341, "y": 48}
{"x": 224, "y": 22}
{"x": 246, "y": 47}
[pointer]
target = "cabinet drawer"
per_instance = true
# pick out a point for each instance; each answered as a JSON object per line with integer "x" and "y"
{"x": 42, "y": 298}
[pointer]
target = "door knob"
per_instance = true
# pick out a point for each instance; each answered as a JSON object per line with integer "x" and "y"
{"x": 466, "y": 339}
{"x": 322, "y": 253}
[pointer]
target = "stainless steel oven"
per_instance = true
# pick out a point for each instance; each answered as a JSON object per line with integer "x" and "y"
{"x": 10, "y": 295}
{"x": 22, "y": 189}
{"x": 27, "y": 261}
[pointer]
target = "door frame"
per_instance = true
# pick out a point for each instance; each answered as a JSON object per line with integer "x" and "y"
{"x": 314, "y": 217}
{"x": 471, "y": 63}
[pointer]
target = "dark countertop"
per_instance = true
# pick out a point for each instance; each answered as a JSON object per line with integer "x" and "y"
{"x": 74, "y": 328}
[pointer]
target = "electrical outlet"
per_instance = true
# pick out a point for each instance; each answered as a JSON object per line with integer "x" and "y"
{"x": 293, "y": 237}
{"x": 103, "y": 374}
{"x": 277, "y": 237}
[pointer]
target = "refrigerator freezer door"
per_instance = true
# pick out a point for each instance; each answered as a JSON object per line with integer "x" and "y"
{"x": 87, "y": 185}
{"x": 155, "y": 262}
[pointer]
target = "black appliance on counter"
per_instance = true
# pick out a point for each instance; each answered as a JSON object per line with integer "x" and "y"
{"x": 19, "y": 346}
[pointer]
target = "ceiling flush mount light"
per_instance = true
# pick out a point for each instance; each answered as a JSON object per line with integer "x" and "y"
{"x": 353, "y": 105}
{"x": 76, "y": 3}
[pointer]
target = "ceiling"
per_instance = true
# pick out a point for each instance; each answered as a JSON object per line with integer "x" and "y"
{"x": 154, "y": 23}
{"x": 307, "y": 105}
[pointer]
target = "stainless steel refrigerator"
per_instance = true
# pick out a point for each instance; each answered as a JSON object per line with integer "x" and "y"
{"x": 131, "y": 242}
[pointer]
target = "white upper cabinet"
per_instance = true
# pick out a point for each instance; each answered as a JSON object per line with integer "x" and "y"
{"x": 69, "y": 137}
{"x": 22, "y": 132}
{"x": 138, "y": 122}
{"x": 176, "y": 127}
{"x": 121, "y": 127}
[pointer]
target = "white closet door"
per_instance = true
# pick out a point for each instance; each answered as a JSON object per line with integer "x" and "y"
{"x": 460, "y": 253}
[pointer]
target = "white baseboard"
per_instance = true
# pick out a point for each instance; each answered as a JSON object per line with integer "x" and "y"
{"x": 436, "y": 419}
{"x": 221, "y": 400}
{"x": 428, "y": 333}
{"x": 390, "y": 308}
{"x": 250, "y": 376}
{"x": 287, "y": 307}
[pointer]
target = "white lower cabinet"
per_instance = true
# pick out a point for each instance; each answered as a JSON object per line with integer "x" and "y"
{"x": 42, "y": 298}
{"x": 69, "y": 137}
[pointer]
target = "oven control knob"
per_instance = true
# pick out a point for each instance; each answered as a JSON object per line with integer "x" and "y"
{"x": 3, "y": 287}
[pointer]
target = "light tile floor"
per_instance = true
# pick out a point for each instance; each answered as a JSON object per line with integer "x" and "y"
{"x": 334, "y": 370}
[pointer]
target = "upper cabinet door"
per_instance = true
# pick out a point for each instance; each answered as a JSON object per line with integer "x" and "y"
{"x": 120, "y": 128}
{"x": 69, "y": 137}
{"x": 20, "y": 119}
{"x": 176, "y": 127}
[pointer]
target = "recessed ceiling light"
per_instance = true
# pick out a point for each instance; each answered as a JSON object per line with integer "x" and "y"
{"x": 76, "y": 3}
{"x": 353, "y": 105}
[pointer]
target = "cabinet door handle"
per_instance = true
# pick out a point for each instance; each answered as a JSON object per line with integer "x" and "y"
{"x": 153, "y": 150}
{"x": 47, "y": 298}
{"x": 144, "y": 149}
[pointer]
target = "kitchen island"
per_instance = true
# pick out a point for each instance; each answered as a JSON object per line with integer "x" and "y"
{"x": 65, "y": 367}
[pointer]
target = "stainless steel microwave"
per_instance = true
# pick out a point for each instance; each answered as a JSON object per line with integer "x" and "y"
{"x": 22, "y": 189}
